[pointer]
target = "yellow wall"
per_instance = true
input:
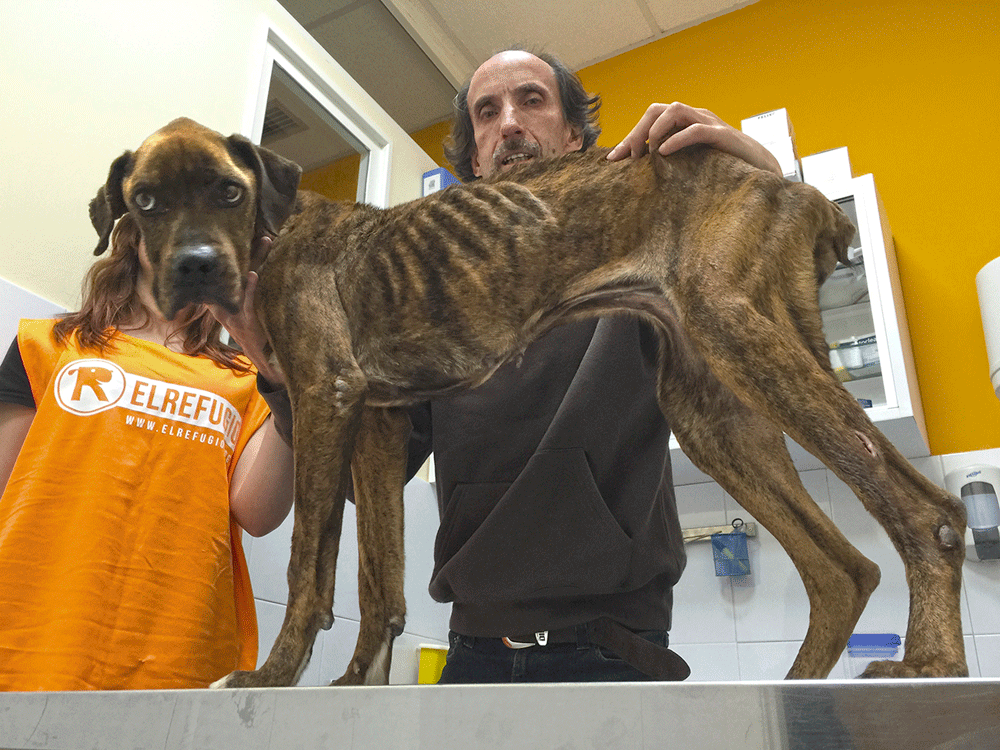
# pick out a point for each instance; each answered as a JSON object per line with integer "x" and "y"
{"x": 338, "y": 180}
{"x": 431, "y": 140}
{"x": 911, "y": 88}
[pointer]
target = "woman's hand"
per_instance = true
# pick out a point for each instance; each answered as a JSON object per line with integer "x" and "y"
{"x": 245, "y": 328}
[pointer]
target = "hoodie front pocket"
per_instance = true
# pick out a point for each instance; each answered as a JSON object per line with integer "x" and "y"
{"x": 550, "y": 534}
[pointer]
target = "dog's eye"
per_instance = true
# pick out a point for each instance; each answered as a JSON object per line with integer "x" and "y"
{"x": 232, "y": 193}
{"x": 144, "y": 201}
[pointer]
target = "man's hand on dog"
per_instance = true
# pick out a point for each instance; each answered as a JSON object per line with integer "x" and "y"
{"x": 670, "y": 127}
{"x": 245, "y": 328}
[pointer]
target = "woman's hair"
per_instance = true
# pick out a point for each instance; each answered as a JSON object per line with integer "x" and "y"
{"x": 579, "y": 109}
{"x": 111, "y": 300}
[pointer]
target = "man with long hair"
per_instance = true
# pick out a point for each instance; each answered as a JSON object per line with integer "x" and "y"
{"x": 559, "y": 534}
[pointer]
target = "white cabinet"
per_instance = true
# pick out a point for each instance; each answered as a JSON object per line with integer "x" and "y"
{"x": 865, "y": 323}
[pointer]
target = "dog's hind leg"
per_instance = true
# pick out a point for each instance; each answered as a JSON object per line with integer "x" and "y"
{"x": 379, "y": 468}
{"x": 774, "y": 372}
{"x": 747, "y": 455}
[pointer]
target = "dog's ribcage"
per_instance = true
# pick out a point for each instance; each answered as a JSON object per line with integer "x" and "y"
{"x": 440, "y": 291}
{"x": 443, "y": 290}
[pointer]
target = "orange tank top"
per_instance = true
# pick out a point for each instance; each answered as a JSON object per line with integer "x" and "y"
{"x": 120, "y": 565}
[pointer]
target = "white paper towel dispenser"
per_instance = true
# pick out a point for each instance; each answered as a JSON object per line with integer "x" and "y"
{"x": 988, "y": 286}
{"x": 978, "y": 485}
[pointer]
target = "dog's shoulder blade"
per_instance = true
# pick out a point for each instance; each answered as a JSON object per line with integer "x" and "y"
{"x": 319, "y": 228}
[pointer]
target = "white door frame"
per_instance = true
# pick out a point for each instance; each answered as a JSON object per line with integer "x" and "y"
{"x": 282, "y": 51}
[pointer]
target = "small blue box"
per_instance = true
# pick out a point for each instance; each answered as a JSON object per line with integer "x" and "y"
{"x": 438, "y": 179}
{"x": 874, "y": 645}
{"x": 864, "y": 648}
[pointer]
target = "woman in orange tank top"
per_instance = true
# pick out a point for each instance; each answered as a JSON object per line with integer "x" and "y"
{"x": 133, "y": 452}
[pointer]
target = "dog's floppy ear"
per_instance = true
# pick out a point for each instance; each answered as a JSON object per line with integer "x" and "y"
{"x": 277, "y": 181}
{"x": 109, "y": 203}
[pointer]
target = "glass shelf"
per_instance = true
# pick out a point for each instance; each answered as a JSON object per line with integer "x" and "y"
{"x": 856, "y": 358}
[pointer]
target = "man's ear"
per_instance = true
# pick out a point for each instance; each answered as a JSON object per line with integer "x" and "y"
{"x": 109, "y": 203}
{"x": 277, "y": 181}
{"x": 474, "y": 163}
{"x": 575, "y": 140}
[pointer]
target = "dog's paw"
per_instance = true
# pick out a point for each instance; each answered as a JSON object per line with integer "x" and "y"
{"x": 232, "y": 680}
{"x": 358, "y": 673}
{"x": 900, "y": 669}
{"x": 350, "y": 677}
{"x": 878, "y": 670}
{"x": 239, "y": 679}
{"x": 374, "y": 672}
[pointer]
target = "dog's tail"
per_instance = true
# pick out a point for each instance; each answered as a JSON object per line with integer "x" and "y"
{"x": 833, "y": 243}
{"x": 844, "y": 234}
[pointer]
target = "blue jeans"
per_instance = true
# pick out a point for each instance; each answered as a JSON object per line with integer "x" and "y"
{"x": 488, "y": 660}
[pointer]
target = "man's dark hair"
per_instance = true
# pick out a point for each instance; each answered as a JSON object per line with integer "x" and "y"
{"x": 579, "y": 109}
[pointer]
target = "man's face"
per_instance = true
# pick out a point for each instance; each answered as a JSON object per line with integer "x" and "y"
{"x": 516, "y": 113}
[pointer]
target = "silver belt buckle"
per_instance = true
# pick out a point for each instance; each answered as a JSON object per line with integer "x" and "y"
{"x": 541, "y": 638}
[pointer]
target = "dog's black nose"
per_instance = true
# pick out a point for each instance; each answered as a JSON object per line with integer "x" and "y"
{"x": 197, "y": 265}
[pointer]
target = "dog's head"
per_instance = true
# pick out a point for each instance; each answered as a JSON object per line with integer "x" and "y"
{"x": 200, "y": 200}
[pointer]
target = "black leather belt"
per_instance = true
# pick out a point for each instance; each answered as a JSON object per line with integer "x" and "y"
{"x": 655, "y": 661}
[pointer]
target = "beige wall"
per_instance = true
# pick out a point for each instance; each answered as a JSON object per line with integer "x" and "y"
{"x": 86, "y": 80}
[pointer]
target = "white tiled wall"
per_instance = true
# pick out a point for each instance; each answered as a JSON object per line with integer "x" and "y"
{"x": 750, "y": 628}
{"x": 747, "y": 628}
{"x": 426, "y": 620}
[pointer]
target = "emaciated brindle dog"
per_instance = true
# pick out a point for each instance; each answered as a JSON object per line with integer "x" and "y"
{"x": 369, "y": 310}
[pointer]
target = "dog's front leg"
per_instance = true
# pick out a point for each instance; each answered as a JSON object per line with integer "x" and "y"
{"x": 379, "y": 467}
{"x": 326, "y": 415}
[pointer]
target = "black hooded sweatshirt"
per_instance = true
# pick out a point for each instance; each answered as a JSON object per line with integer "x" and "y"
{"x": 554, "y": 487}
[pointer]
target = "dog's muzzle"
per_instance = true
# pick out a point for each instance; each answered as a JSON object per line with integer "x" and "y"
{"x": 199, "y": 275}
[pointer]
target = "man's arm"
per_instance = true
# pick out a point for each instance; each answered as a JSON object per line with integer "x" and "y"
{"x": 670, "y": 127}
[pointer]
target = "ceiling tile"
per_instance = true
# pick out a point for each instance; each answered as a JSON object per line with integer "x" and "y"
{"x": 378, "y": 54}
{"x": 673, "y": 15}
{"x": 576, "y": 32}
{"x": 365, "y": 38}
{"x": 307, "y": 12}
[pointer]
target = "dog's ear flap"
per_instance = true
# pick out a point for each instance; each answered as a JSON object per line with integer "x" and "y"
{"x": 277, "y": 181}
{"x": 109, "y": 203}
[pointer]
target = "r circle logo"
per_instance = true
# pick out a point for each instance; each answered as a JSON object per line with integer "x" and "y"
{"x": 89, "y": 386}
